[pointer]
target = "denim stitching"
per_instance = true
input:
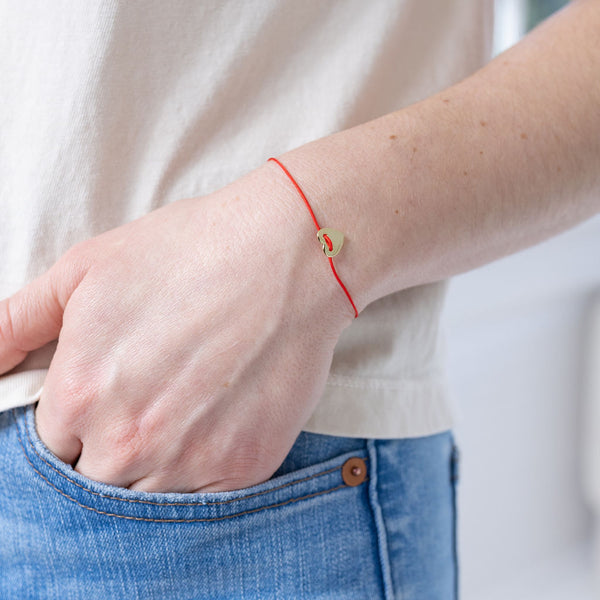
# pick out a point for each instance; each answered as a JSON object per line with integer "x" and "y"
{"x": 454, "y": 478}
{"x": 246, "y": 512}
{"x": 132, "y": 501}
{"x": 382, "y": 544}
{"x": 166, "y": 503}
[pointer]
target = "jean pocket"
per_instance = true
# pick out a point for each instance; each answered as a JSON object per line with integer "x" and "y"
{"x": 309, "y": 471}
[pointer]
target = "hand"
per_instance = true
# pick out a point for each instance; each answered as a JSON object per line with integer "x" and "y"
{"x": 194, "y": 342}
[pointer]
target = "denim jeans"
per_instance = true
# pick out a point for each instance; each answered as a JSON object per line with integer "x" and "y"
{"x": 341, "y": 518}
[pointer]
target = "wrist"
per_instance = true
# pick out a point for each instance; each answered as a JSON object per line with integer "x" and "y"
{"x": 290, "y": 244}
{"x": 339, "y": 176}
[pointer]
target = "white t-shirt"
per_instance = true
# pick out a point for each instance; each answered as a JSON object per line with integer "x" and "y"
{"x": 109, "y": 110}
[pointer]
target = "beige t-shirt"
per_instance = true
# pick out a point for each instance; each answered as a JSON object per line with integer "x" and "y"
{"x": 111, "y": 109}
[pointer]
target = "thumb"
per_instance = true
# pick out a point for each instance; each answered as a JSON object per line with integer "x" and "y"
{"x": 33, "y": 316}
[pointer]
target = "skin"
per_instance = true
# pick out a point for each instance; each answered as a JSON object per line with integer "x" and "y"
{"x": 195, "y": 342}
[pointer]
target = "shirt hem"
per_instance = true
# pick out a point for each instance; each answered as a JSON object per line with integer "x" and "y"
{"x": 370, "y": 408}
{"x": 349, "y": 407}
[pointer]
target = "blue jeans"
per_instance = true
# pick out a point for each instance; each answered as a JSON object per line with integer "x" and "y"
{"x": 341, "y": 518}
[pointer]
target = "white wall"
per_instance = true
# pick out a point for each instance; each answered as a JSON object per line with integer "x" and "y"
{"x": 516, "y": 336}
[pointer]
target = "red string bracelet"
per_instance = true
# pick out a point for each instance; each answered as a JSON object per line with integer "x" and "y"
{"x": 330, "y": 246}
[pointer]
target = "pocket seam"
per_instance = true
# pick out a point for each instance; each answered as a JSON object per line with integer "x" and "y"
{"x": 165, "y": 504}
{"x": 198, "y": 520}
{"x": 454, "y": 482}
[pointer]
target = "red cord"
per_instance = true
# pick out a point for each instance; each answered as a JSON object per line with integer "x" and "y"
{"x": 325, "y": 236}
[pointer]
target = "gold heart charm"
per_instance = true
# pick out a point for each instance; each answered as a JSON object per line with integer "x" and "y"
{"x": 336, "y": 237}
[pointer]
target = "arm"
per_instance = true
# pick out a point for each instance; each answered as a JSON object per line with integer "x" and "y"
{"x": 195, "y": 342}
{"x": 500, "y": 161}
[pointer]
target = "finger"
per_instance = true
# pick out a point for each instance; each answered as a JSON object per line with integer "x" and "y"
{"x": 163, "y": 484}
{"x": 151, "y": 484}
{"x": 63, "y": 444}
{"x": 97, "y": 465}
{"x": 33, "y": 316}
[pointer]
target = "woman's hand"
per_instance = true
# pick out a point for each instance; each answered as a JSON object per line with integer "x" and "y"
{"x": 194, "y": 342}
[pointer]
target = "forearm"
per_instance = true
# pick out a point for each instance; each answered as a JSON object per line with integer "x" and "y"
{"x": 498, "y": 162}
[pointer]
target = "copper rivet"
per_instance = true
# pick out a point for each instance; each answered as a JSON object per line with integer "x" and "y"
{"x": 354, "y": 471}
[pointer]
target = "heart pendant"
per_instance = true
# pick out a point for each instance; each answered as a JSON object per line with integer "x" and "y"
{"x": 336, "y": 237}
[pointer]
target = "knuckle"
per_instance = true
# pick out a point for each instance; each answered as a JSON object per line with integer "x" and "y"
{"x": 72, "y": 267}
{"x": 104, "y": 472}
{"x": 126, "y": 444}
{"x": 81, "y": 251}
{"x": 7, "y": 321}
{"x": 71, "y": 398}
{"x": 15, "y": 315}
{"x": 250, "y": 465}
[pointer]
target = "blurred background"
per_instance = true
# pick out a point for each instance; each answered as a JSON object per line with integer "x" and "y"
{"x": 523, "y": 346}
